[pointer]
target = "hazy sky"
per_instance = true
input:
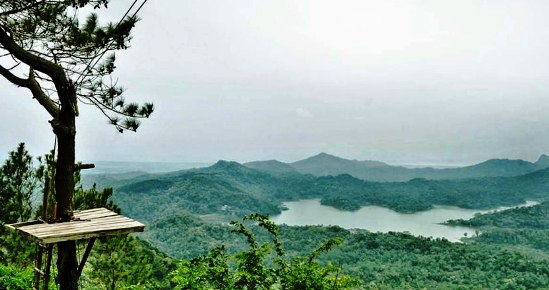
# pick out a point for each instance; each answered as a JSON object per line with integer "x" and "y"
{"x": 397, "y": 81}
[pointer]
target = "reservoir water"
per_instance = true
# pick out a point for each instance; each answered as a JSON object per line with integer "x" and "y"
{"x": 380, "y": 219}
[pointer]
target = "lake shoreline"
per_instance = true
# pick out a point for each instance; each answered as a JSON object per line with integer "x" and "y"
{"x": 380, "y": 219}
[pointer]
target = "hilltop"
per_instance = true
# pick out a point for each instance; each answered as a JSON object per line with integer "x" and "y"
{"x": 324, "y": 164}
{"x": 229, "y": 189}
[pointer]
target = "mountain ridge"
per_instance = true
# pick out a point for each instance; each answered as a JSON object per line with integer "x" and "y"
{"x": 232, "y": 189}
{"x": 324, "y": 164}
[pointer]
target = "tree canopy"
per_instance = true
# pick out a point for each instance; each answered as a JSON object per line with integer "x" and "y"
{"x": 46, "y": 48}
{"x": 65, "y": 57}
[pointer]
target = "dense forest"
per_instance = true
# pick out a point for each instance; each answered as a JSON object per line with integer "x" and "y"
{"x": 230, "y": 190}
{"x": 190, "y": 243}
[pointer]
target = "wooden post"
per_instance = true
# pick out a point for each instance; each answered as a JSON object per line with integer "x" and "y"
{"x": 49, "y": 254}
{"x": 38, "y": 266}
{"x": 38, "y": 270}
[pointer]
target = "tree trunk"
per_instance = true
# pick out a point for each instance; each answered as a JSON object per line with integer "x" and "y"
{"x": 65, "y": 129}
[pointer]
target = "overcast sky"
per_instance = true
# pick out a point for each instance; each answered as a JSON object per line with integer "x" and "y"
{"x": 431, "y": 82}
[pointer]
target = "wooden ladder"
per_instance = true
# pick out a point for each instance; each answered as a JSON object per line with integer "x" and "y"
{"x": 41, "y": 273}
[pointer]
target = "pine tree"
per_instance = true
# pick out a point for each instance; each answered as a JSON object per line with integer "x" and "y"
{"x": 62, "y": 62}
{"x": 17, "y": 185}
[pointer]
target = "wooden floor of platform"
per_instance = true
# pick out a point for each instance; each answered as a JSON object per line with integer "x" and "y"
{"x": 87, "y": 224}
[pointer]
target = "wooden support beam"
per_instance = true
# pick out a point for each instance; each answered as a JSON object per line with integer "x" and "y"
{"x": 85, "y": 257}
{"x": 47, "y": 274}
{"x": 81, "y": 166}
{"x": 38, "y": 266}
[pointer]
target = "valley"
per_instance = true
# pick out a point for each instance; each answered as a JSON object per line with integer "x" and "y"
{"x": 230, "y": 190}
{"x": 404, "y": 244}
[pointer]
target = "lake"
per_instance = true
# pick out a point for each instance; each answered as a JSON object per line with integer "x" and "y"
{"x": 380, "y": 219}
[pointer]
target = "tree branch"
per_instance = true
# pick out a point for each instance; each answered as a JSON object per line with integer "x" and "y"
{"x": 20, "y": 9}
{"x": 35, "y": 89}
{"x": 41, "y": 97}
{"x": 53, "y": 70}
{"x": 13, "y": 78}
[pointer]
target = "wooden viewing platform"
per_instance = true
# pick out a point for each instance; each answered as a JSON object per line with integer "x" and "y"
{"x": 86, "y": 224}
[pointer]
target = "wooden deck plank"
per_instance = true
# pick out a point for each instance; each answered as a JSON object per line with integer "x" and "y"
{"x": 90, "y": 226}
{"x": 93, "y": 229}
{"x": 87, "y": 224}
{"x": 74, "y": 224}
{"x": 92, "y": 211}
{"x": 99, "y": 209}
{"x": 94, "y": 214}
{"x": 92, "y": 235}
{"x": 48, "y": 229}
{"x": 59, "y": 226}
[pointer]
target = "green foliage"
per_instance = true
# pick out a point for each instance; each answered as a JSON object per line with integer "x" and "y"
{"x": 93, "y": 198}
{"x": 519, "y": 228}
{"x": 533, "y": 217}
{"x": 18, "y": 182}
{"x": 253, "y": 269}
{"x": 228, "y": 190}
{"x": 204, "y": 272}
{"x": 399, "y": 261}
{"x": 180, "y": 234}
{"x": 127, "y": 262}
{"x": 17, "y": 185}
{"x": 12, "y": 278}
{"x": 18, "y": 278}
{"x": 421, "y": 194}
{"x": 380, "y": 261}
{"x": 120, "y": 262}
{"x": 61, "y": 47}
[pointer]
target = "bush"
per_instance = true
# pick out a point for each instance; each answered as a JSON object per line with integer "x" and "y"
{"x": 258, "y": 268}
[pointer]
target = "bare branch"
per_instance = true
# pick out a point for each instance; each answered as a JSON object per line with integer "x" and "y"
{"x": 35, "y": 89}
{"x": 14, "y": 66}
{"x": 41, "y": 97}
{"x": 13, "y": 78}
{"x": 56, "y": 72}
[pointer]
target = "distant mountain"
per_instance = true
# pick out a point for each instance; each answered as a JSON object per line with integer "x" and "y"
{"x": 543, "y": 162}
{"x": 325, "y": 164}
{"x": 271, "y": 166}
{"x": 228, "y": 190}
{"x": 117, "y": 167}
{"x": 103, "y": 180}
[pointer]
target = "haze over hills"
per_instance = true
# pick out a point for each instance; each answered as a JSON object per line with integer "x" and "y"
{"x": 325, "y": 164}
{"x": 230, "y": 189}
{"x": 102, "y": 167}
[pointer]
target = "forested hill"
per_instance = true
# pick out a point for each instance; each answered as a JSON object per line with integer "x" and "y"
{"x": 225, "y": 188}
{"x": 179, "y": 208}
{"x": 525, "y": 229}
{"x": 229, "y": 190}
{"x": 186, "y": 211}
{"x": 325, "y": 164}
{"x": 534, "y": 218}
